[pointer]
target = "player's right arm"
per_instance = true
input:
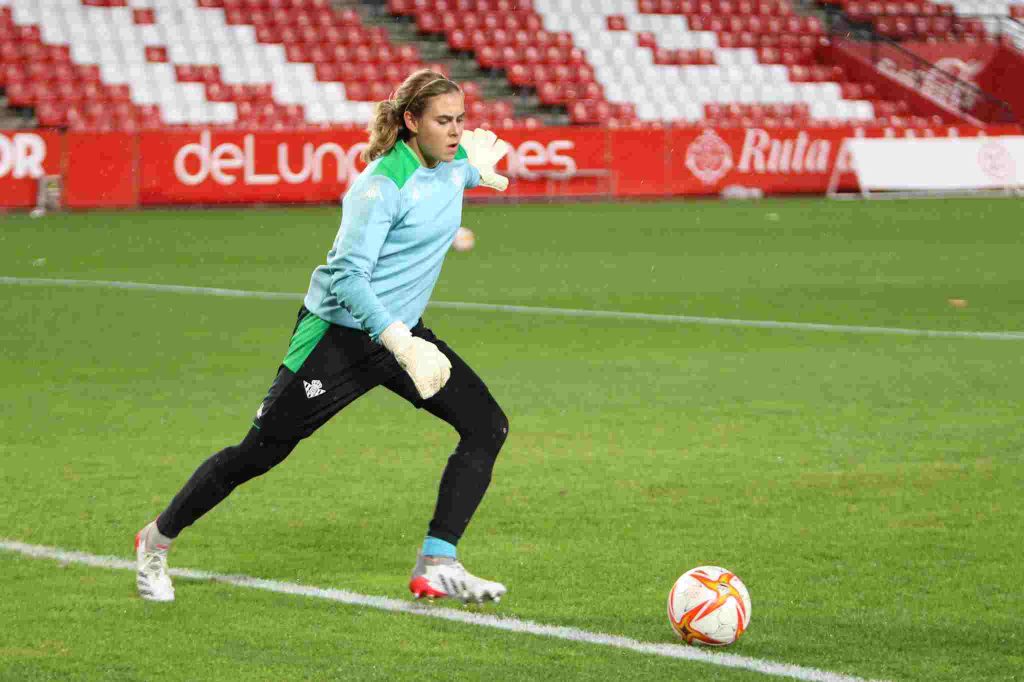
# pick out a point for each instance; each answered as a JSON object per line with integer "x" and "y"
{"x": 368, "y": 213}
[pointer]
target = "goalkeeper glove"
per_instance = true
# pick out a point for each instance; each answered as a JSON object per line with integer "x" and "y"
{"x": 428, "y": 367}
{"x": 485, "y": 150}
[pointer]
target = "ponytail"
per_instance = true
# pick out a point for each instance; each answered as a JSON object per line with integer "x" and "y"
{"x": 384, "y": 128}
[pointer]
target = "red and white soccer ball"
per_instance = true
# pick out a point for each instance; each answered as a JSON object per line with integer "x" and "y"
{"x": 709, "y": 605}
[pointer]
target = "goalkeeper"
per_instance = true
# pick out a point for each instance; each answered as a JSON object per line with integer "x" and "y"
{"x": 360, "y": 328}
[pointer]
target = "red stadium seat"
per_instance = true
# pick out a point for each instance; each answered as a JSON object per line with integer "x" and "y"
{"x": 394, "y": 73}
{"x": 616, "y": 22}
{"x": 52, "y": 115}
{"x": 156, "y": 54}
{"x": 357, "y": 91}
{"x": 63, "y": 76}
{"x": 186, "y": 73}
{"x": 217, "y": 92}
{"x": 458, "y": 40}
{"x": 506, "y": 35}
{"x": 471, "y": 90}
{"x": 296, "y": 53}
{"x": 342, "y": 54}
{"x": 519, "y": 74}
{"x": 326, "y": 72}
{"x": 379, "y": 91}
{"x": 428, "y": 24}
{"x": 116, "y": 93}
{"x": 550, "y": 93}
{"x": 348, "y": 72}
{"x": 488, "y": 57}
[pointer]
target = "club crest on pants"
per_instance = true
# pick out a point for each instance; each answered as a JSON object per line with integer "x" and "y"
{"x": 313, "y": 388}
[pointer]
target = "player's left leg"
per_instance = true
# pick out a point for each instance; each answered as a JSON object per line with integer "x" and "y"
{"x": 468, "y": 406}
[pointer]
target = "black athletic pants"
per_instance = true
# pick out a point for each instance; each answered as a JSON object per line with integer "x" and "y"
{"x": 334, "y": 366}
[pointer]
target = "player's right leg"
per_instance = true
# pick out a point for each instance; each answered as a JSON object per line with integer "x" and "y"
{"x": 326, "y": 368}
{"x": 152, "y": 578}
{"x": 206, "y": 488}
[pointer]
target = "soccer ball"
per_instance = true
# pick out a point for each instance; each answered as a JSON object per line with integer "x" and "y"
{"x": 709, "y": 605}
{"x": 465, "y": 240}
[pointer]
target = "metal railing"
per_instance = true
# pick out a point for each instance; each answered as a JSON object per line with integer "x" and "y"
{"x": 913, "y": 70}
{"x": 963, "y": 26}
{"x": 960, "y": 26}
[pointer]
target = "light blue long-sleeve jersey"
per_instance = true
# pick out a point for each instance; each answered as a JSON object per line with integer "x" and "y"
{"x": 398, "y": 220}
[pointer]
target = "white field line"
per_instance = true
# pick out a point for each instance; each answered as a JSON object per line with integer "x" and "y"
{"x": 459, "y": 616}
{"x": 535, "y": 310}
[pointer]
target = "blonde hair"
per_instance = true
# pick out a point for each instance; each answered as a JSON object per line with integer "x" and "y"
{"x": 387, "y": 126}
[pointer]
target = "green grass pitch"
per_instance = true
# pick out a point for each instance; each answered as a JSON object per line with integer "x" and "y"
{"x": 866, "y": 487}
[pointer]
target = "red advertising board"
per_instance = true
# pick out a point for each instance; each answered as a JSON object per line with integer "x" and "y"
{"x": 101, "y": 170}
{"x": 218, "y": 167}
{"x": 26, "y": 156}
{"x": 639, "y": 162}
{"x": 705, "y": 161}
{"x": 204, "y": 167}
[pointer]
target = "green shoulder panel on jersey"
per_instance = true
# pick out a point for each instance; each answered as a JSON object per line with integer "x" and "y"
{"x": 461, "y": 154}
{"x": 309, "y": 332}
{"x": 398, "y": 164}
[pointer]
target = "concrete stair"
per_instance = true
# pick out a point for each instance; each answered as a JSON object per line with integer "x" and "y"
{"x": 15, "y": 118}
{"x": 493, "y": 85}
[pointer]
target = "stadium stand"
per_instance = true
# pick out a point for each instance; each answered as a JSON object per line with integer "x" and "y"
{"x": 957, "y": 20}
{"x": 269, "y": 64}
{"x": 622, "y": 62}
{"x": 286, "y": 64}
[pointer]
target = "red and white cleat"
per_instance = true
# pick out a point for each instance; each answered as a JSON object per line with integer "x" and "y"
{"x": 441, "y": 577}
{"x": 151, "y": 576}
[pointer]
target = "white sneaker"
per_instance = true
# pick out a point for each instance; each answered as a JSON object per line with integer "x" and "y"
{"x": 440, "y": 577}
{"x": 151, "y": 575}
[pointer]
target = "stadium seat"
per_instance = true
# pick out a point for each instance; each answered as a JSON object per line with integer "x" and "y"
{"x": 238, "y": 52}
{"x": 716, "y": 51}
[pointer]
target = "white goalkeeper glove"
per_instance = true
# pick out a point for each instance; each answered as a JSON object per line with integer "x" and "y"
{"x": 428, "y": 367}
{"x": 485, "y": 150}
